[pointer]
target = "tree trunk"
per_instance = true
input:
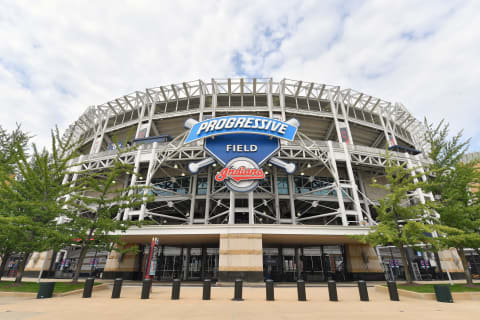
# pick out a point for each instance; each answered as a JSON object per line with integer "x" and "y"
{"x": 78, "y": 268}
{"x": 4, "y": 264}
{"x": 21, "y": 268}
{"x": 408, "y": 277}
{"x": 466, "y": 269}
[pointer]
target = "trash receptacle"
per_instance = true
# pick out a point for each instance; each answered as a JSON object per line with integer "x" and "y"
{"x": 45, "y": 290}
{"x": 443, "y": 293}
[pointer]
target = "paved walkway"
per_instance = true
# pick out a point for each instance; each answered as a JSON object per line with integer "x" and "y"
{"x": 190, "y": 306}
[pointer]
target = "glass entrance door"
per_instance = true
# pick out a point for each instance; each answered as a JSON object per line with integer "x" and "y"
{"x": 311, "y": 263}
{"x": 169, "y": 263}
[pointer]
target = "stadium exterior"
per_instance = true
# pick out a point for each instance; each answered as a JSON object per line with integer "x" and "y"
{"x": 291, "y": 226}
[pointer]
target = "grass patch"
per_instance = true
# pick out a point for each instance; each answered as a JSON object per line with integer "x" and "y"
{"x": 428, "y": 288}
{"x": 60, "y": 287}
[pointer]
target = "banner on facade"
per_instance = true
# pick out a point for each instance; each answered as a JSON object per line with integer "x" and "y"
{"x": 242, "y": 144}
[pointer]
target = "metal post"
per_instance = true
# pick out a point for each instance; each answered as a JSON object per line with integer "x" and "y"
{"x": 251, "y": 213}
{"x": 87, "y": 290}
{"x": 276, "y": 199}
{"x": 353, "y": 184}
{"x": 148, "y": 179}
{"x": 193, "y": 192}
{"x": 392, "y": 290}
{"x": 362, "y": 290}
{"x": 238, "y": 290}
{"x": 207, "y": 286}
{"x": 332, "y": 290}
{"x": 270, "y": 290}
{"x": 231, "y": 213}
{"x": 338, "y": 189}
{"x": 176, "y": 289}
{"x": 302, "y": 295}
{"x": 207, "y": 196}
{"x": 117, "y": 288}
{"x": 146, "y": 286}
{"x": 291, "y": 196}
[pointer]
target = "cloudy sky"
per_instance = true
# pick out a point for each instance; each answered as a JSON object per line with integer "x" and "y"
{"x": 59, "y": 57}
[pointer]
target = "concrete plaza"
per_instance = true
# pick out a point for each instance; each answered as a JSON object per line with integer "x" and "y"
{"x": 190, "y": 306}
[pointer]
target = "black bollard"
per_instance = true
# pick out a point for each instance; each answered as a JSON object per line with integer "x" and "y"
{"x": 207, "y": 286}
{"x": 332, "y": 290}
{"x": 117, "y": 288}
{"x": 302, "y": 296}
{"x": 362, "y": 290}
{"x": 146, "y": 286}
{"x": 238, "y": 290}
{"x": 176, "y": 289}
{"x": 87, "y": 290}
{"x": 270, "y": 292}
{"x": 392, "y": 290}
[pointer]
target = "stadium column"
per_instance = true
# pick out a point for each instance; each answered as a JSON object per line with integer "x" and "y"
{"x": 282, "y": 98}
{"x": 151, "y": 125}
{"x": 214, "y": 97}
{"x": 291, "y": 194}
{"x": 148, "y": 179}
{"x": 193, "y": 193}
{"x": 364, "y": 196}
{"x": 270, "y": 98}
{"x": 334, "y": 113}
{"x": 345, "y": 115}
{"x": 140, "y": 119}
{"x": 277, "y": 199}
{"x": 100, "y": 134}
{"x": 202, "y": 100}
{"x": 251, "y": 213}
{"x": 351, "y": 176}
{"x": 389, "y": 126}
{"x": 353, "y": 184}
{"x": 338, "y": 189}
{"x": 385, "y": 130}
{"x": 133, "y": 180}
{"x": 207, "y": 196}
{"x": 231, "y": 211}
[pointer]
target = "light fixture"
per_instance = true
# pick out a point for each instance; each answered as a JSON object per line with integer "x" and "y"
{"x": 164, "y": 221}
{"x": 175, "y": 166}
{"x": 302, "y": 173}
{"x": 266, "y": 172}
{"x": 269, "y": 164}
{"x": 214, "y": 165}
{"x": 113, "y": 181}
{"x": 309, "y": 165}
{"x": 298, "y": 214}
{"x": 183, "y": 174}
{"x": 187, "y": 214}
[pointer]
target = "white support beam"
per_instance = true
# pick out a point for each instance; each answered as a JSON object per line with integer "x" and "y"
{"x": 112, "y": 108}
{"x": 120, "y": 105}
{"x": 299, "y": 87}
{"x": 187, "y": 93}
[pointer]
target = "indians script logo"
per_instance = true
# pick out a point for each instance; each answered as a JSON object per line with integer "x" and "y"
{"x": 242, "y": 144}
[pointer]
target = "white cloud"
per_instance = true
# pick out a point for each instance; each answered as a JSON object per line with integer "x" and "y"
{"x": 57, "y": 58}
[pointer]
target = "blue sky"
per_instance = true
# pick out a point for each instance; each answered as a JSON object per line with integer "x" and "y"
{"x": 59, "y": 57}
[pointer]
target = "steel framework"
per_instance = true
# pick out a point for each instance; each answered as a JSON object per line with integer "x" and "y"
{"x": 311, "y": 198}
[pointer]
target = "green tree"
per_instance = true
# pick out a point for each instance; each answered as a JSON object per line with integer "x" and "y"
{"x": 95, "y": 204}
{"x": 455, "y": 185}
{"x": 459, "y": 209}
{"x": 402, "y": 221}
{"x": 10, "y": 233}
{"x": 29, "y": 197}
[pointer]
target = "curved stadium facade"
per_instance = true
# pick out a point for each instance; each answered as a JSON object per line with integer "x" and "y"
{"x": 291, "y": 226}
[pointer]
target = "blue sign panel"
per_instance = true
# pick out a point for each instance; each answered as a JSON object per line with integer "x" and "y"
{"x": 258, "y": 148}
{"x": 242, "y": 124}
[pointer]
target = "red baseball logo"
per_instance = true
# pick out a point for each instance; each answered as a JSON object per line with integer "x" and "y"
{"x": 239, "y": 174}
